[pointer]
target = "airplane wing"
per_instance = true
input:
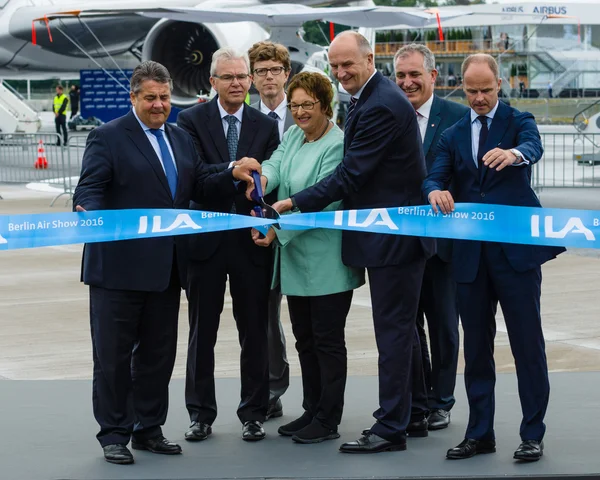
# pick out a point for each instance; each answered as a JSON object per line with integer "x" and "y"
{"x": 280, "y": 15}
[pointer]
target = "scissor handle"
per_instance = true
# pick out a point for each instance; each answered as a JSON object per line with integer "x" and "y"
{"x": 257, "y": 193}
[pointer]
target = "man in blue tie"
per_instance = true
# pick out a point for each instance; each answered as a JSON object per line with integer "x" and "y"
{"x": 488, "y": 155}
{"x": 139, "y": 161}
{"x": 225, "y": 130}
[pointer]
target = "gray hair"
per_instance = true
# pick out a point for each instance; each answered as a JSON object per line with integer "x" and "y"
{"x": 361, "y": 41}
{"x": 228, "y": 53}
{"x": 480, "y": 58}
{"x": 152, "y": 71}
{"x": 428, "y": 57}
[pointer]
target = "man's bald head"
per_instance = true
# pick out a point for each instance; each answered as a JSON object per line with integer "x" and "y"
{"x": 351, "y": 60}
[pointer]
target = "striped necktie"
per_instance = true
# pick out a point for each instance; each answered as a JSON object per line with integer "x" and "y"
{"x": 350, "y": 111}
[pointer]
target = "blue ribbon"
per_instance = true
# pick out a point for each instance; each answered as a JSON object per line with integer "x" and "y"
{"x": 492, "y": 223}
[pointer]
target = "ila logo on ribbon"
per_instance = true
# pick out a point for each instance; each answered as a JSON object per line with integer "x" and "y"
{"x": 183, "y": 220}
{"x": 376, "y": 216}
{"x": 574, "y": 225}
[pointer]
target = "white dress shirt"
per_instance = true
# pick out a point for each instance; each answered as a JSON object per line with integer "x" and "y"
{"x": 476, "y": 131}
{"x": 358, "y": 94}
{"x": 154, "y": 141}
{"x": 281, "y": 110}
{"x": 423, "y": 114}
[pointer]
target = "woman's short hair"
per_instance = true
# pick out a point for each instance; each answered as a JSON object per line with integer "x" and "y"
{"x": 316, "y": 85}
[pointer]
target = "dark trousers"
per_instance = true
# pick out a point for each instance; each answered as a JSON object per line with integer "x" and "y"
{"x": 395, "y": 292}
{"x": 519, "y": 297}
{"x": 60, "y": 122}
{"x": 134, "y": 341}
{"x": 249, "y": 288}
{"x": 279, "y": 368}
{"x": 318, "y": 324}
{"x": 74, "y": 110}
{"x": 440, "y": 305}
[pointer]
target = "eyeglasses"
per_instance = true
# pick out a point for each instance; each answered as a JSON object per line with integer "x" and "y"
{"x": 229, "y": 78}
{"x": 305, "y": 106}
{"x": 261, "y": 72}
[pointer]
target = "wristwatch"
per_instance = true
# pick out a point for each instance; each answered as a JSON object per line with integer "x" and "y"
{"x": 517, "y": 154}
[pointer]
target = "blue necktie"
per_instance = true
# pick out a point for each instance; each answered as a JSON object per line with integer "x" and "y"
{"x": 273, "y": 115}
{"x": 232, "y": 137}
{"x": 167, "y": 160}
{"x": 483, "y": 135}
{"x": 350, "y": 111}
{"x": 232, "y": 144}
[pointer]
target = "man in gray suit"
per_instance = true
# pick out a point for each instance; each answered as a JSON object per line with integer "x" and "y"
{"x": 415, "y": 75}
{"x": 270, "y": 65}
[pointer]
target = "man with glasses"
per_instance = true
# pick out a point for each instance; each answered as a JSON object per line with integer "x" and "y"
{"x": 224, "y": 131}
{"x": 270, "y": 63}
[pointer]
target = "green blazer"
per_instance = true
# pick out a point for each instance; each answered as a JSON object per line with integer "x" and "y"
{"x": 308, "y": 262}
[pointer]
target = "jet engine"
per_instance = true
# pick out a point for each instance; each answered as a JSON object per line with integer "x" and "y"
{"x": 186, "y": 50}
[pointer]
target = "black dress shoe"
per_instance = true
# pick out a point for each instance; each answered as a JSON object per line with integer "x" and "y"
{"x": 198, "y": 431}
{"x": 469, "y": 448}
{"x": 253, "y": 431}
{"x": 530, "y": 451}
{"x": 439, "y": 419}
{"x": 417, "y": 429}
{"x": 371, "y": 443}
{"x": 292, "y": 428}
{"x": 275, "y": 410}
{"x": 315, "y": 432}
{"x": 156, "y": 445}
{"x": 118, "y": 454}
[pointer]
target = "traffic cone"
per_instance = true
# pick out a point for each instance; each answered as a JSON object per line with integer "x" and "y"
{"x": 41, "y": 161}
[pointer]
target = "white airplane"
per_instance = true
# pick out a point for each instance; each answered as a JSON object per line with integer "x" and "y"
{"x": 43, "y": 38}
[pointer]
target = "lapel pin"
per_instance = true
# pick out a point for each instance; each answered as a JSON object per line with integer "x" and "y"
{"x": 433, "y": 124}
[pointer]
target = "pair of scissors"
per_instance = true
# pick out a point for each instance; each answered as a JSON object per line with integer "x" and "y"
{"x": 264, "y": 210}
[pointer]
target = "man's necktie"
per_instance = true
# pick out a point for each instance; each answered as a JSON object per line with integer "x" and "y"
{"x": 273, "y": 115}
{"x": 483, "y": 135}
{"x": 167, "y": 160}
{"x": 350, "y": 111}
{"x": 232, "y": 137}
{"x": 232, "y": 144}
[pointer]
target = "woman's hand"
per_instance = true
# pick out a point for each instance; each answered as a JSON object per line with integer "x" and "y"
{"x": 263, "y": 242}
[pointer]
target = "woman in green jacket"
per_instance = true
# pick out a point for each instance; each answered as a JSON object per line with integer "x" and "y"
{"x": 308, "y": 264}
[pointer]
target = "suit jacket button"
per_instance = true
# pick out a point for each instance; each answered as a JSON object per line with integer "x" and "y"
{"x": 482, "y": 194}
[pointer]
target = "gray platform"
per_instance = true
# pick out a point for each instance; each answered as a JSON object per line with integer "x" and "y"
{"x": 47, "y": 432}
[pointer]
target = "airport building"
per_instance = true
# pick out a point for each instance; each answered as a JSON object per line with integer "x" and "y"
{"x": 544, "y": 49}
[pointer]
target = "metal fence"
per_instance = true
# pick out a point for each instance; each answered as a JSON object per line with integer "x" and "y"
{"x": 570, "y": 160}
{"x": 40, "y": 159}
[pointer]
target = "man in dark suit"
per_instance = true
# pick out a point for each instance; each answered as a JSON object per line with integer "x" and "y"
{"x": 225, "y": 130}
{"x": 488, "y": 155}
{"x": 415, "y": 75}
{"x": 383, "y": 166}
{"x": 138, "y": 161}
{"x": 270, "y": 65}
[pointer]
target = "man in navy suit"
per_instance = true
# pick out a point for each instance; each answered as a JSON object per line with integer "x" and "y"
{"x": 138, "y": 161}
{"x": 488, "y": 156}
{"x": 415, "y": 70}
{"x": 226, "y": 130}
{"x": 383, "y": 166}
{"x": 270, "y": 65}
